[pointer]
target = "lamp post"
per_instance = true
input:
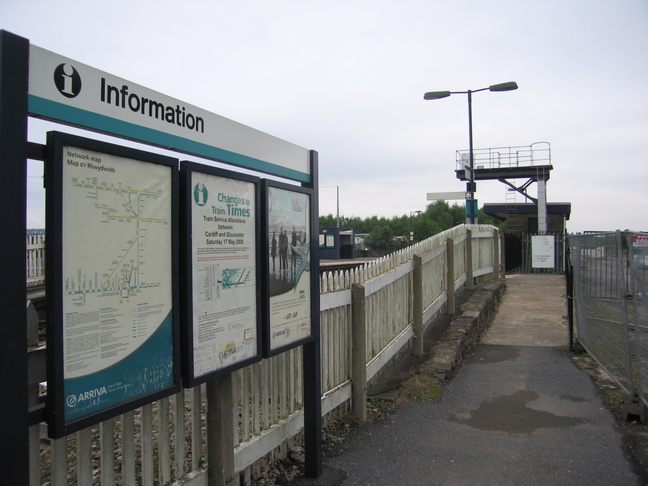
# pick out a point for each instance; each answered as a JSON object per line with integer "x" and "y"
{"x": 471, "y": 203}
{"x": 412, "y": 227}
{"x": 337, "y": 219}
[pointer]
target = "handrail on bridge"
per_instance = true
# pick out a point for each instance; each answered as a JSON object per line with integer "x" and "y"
{"x": 536, "y": 154}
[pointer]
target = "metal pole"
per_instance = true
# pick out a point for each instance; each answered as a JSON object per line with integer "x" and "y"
{"x": 411, "y": 238}
{"x": 14, "y": 423}
{"x": 311, "y": 358}
{"x": 471, "y": 219}
{"x": 338, "y": 206}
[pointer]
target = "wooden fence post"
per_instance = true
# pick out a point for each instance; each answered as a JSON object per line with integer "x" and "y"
{"x": 220, "y": 432}
{"x": 32, "y": 398}
{"x": 470, "y": 280}
{"x": 450, "y": 276}
{"x": 417, "y": 305}
{"x": 359, "y": 353}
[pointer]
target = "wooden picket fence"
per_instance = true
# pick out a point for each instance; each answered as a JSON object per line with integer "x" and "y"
{"x": 35, "y": 259}
{"x": 385, "y": 304}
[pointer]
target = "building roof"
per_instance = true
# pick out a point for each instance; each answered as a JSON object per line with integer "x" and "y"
{"x": 502, "y": 210}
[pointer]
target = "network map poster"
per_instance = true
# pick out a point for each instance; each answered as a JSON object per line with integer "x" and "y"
{"x": 288, "y": 245}
{"x": 111, "y": 280}
{"x": 223, "y": 282}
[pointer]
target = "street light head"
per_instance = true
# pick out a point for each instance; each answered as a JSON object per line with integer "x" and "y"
{"x": 435, "y": 95}
{"x": 510, "y": 86}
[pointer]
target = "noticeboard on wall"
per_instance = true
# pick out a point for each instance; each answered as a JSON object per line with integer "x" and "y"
{"x": 222, "y": 281}
{"x": 113, "y": 339}
{"x": 542, "y": 251}
{"x": 288, "y": 252}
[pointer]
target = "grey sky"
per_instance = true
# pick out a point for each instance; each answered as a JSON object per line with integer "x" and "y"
{"x": 347, "y": 79}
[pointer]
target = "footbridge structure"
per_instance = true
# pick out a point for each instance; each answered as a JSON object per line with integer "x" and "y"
{"x": 530, "y": 163}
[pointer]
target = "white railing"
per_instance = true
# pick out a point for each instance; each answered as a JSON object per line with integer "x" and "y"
{"x": 165, "y": 442}
{"x": 536, "y": 154}
{"x": 35, "y": 259}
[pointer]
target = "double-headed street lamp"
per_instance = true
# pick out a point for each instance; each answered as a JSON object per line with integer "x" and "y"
{"x": 471, "y": 203}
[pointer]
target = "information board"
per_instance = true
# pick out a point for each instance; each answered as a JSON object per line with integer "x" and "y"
{"x": 288, "y": 245}
{"x": 66, "y": 90}
{"x": 223, "y": 282}
{"x": 542, "y": 251}
{"x": 111, "y": 280}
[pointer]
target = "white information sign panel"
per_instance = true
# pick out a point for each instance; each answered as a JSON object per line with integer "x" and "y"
{"x": 542, "y": 251}
{"x": 65, "y": 90}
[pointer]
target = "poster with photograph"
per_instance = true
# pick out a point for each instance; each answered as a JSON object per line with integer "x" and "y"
{"x": 224, "y": 282}
{"x": 289, "y": 258}
{"x": 112, "y": 284}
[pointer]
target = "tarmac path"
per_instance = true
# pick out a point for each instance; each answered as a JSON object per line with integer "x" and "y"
{"x": 518, "y": 412}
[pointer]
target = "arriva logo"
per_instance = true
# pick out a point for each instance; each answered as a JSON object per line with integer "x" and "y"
{"x": 74, "y": 400}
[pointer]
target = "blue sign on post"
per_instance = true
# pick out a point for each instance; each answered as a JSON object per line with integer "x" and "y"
{"x": 471, "y": 207}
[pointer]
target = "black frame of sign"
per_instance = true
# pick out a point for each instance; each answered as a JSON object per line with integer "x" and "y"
{"x": 283, "y": 278}
{"x": 217, "y": 243}
{"x": 159, "y": 347}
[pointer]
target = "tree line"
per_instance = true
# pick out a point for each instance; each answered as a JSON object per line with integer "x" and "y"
{"x": 389, "y": 234}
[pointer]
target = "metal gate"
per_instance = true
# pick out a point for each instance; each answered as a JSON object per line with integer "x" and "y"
{"x": 518, "y": 253}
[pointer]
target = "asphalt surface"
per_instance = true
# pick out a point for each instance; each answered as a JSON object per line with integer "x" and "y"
{"x": 518, "y": 412}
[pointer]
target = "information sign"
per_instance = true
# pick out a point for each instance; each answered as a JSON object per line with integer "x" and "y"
{"x": 65, "y": 90}
{"x": 288, "y": 244}
{"x": 223, "y": 282}
{"x": 111, "y": 280}
{"x": 542, "y": 251}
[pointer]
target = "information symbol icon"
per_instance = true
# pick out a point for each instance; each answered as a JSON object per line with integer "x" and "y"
{"x": 67, "y": 80}
{"x": 200, "y": 194}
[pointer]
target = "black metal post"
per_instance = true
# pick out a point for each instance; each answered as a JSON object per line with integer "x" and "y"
{"x": 472, "y": 219}
{"x": 14, "y": 423}
{"x": 311, "y": 351}
{"x": 570, "y": 305}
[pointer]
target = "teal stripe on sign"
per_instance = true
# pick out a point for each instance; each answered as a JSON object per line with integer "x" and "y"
{"x": 111, "y": 126}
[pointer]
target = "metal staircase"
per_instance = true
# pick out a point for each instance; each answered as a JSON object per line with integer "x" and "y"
{"x": 511, "y": 210}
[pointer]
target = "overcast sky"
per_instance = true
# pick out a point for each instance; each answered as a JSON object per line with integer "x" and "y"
{"x": 347, "y": 78}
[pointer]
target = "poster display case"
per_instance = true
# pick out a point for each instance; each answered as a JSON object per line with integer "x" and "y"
{"x": 288, "y": 251}
{"x": 221, "y": 277}
{"x": 112, "y": 280}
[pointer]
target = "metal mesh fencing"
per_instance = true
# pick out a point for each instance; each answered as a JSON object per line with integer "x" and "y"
{"x": 637, "y": 244}
{"x": 600, "y": 273}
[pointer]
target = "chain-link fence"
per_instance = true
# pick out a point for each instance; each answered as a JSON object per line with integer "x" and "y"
{"x": 609, "y": 296}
